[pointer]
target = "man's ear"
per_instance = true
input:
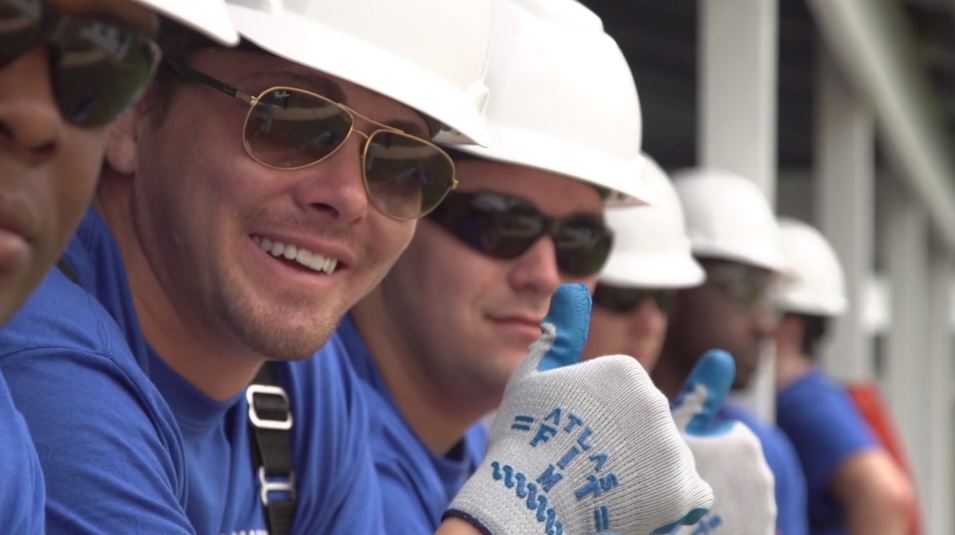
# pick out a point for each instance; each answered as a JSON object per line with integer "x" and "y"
{"x": 123, "y": 145}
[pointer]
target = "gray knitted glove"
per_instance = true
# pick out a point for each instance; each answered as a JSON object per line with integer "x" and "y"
{"x": 728, "y": 456}
{"x": 580, "y": 448}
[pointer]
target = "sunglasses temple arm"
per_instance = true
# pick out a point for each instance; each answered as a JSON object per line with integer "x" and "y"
{"x": 192, "y": 75}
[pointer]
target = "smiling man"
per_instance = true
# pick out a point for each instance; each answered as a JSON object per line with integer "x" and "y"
{"x": 54, "y": 114}
{"x": 436, "y": 342}
{"x": 131, "y": 360}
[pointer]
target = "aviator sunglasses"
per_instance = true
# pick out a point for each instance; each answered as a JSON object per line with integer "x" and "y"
{"x": 97, "y": 68}
{"x": 505, "y": 227}
{"x": 620, "y": 300}
{"x": 288, "y": 128}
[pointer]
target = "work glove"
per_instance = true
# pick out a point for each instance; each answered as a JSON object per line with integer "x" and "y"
{"x": 728, "y": 455}
{"x": 579, "y": 448}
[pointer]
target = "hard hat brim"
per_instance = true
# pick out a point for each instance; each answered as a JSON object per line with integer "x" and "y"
{"x": 652, "y": 271}
{"x": 522, "y": 147}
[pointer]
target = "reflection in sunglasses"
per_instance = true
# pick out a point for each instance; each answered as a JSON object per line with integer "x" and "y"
{"x": 288, "y": 128}
{"x": 503, "y": 226}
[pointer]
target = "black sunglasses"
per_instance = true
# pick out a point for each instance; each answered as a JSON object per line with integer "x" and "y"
{"x": 291, "y": 128}
{"x": 620, "y": 300}
{"x": 506, "y": 227}
{"x": 98, "y": 68}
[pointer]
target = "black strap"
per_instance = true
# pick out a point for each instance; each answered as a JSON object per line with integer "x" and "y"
{"x": 270, "y": 417}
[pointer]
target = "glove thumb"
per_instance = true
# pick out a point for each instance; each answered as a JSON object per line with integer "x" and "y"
{"x": 704, "y": 392}
{"x": 565, "y": 331}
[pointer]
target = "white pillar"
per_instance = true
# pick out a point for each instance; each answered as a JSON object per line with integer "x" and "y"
{"x": 737, "y": 51}
{"x": 738, "y": 43}
{"x": 845, "y": 182}
{"x": 907, "y": 356}
{"x": 937, "y": 490}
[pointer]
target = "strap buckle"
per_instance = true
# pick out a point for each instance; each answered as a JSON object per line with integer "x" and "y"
{"x": 267, "y": 423}
{"x": 266, "y": 486}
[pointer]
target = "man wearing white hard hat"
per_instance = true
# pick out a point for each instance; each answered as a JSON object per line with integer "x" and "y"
{"x": 734, "y": 236}
{"x": 650, "y": 260}
{"x": 438, "y": 340}
{"x": 54, "y": 114}
{"x": 229, "y": 230}
{"x": 854, "y": 485}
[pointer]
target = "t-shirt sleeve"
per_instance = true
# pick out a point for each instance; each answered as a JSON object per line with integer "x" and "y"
{"x": 110, "y": 451}
{"x": 825, "y": 427}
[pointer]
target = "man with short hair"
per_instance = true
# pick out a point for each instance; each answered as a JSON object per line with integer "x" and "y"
{"x": 251, "y": 198}
{"x": 735, "y": 238}
{"x": 854, "y": 485}
{"x": 649, "y": 262}
{"x": 235, "y": 222}
{"x": 54, "y": 114}
{"x": 437, "y": 341}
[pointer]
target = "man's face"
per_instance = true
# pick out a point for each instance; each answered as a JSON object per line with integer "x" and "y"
{"x": 732, "y": 310}
{"x": 469, "y": 318}
{"x": 48, "y": 167}
{"x": 638, "y": 331}
{"x": 205, "y": 212}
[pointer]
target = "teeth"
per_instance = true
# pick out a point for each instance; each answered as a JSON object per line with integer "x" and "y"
{"x": 309, "y": 259}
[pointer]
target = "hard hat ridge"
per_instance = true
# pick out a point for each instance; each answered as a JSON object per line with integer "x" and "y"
{"x": 651, "y": 248}
{"x": 727, "y": 217}
{"x": 816, "y": 283}
{"x": 563, "y": 98}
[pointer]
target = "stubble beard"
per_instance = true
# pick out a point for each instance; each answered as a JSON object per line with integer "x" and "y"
{"x": 267, "y": 331}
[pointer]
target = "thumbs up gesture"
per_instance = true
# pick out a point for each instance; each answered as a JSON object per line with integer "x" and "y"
{"x": 728, "y": 455}
{"x": 581, "y": 448}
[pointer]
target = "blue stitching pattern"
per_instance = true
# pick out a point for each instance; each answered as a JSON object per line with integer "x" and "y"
{"x": 527, "y": 492}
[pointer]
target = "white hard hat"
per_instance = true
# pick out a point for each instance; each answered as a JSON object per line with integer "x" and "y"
{"x": 563, "y": 98}
{"x": 650, "y": 247}
{"x": 210, "y": 17}
{"x": 727, "y": 217}
{"x": 815, "y": 284}
{"x": 428, "y": 54}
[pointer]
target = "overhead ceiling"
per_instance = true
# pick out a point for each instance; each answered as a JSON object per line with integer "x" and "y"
{"x": 659, "y": 40}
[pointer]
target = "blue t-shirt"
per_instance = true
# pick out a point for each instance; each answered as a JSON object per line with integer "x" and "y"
{"x": 21, "y": 481}
{"x": 129, "y": 446}
{"x": 827, "y": 429}
{"x": 417, "y": 485}
{"x": 781, "y": 458}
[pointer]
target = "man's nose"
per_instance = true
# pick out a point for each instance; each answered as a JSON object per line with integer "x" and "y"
{"x": 31, "y": 127}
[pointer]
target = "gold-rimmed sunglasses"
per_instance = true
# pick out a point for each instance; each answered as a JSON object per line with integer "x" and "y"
{"x": 289, "y": 128}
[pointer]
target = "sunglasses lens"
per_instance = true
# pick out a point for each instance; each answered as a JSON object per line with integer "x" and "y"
{"x": 100, "y": 69}
{"x": 625, "y": 300}
{"x": 617, "y": 300}
{"x": 406, "y": 177}
{"x": 289, "y": 129}
{"x": 664, "y": 300}
{"x": 583, "y": 244}
{"x": 496, "y": 225}
{"x": 21, "y": 28}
